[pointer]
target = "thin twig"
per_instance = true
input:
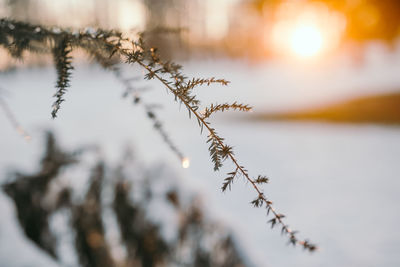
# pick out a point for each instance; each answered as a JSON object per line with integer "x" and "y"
{"x": 13, "y": 120}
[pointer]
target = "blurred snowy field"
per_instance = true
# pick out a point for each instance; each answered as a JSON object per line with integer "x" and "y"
{"x": 338, "y": 184}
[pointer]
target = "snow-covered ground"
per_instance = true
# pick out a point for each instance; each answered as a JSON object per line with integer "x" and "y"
{"x": 337, "y": 184}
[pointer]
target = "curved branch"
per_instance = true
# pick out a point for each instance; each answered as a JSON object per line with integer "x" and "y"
{"x": 277, "y": 216}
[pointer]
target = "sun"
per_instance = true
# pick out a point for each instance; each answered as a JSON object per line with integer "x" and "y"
{"x": 306, "y": 31}
{"x": 306, "y": 41}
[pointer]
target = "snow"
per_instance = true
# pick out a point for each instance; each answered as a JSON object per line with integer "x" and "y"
{"x": 337, "y": 184}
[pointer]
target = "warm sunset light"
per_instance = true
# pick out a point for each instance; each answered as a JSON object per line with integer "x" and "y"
{"x": 305, "y": 30}
{"x": 306, "y": 40}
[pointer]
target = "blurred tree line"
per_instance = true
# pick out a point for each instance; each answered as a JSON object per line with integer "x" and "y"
{"x": 247, "y": 21}
{"x": 366, "y": 19}
{"x": 369, "y": 19}
{"x": 138, "y": 15}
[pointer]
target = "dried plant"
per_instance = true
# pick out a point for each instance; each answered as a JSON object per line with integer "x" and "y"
{"x": 109, "y": 47}
{"x": 37, "y": 200}
{"x": 29, "y": 191}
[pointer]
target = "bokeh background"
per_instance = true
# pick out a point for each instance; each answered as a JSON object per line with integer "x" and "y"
{"x": 323, "y": 78}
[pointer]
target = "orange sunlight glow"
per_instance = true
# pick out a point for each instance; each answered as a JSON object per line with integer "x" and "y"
{"x": 304, "y": 30}
{"x": 306, "y": 40}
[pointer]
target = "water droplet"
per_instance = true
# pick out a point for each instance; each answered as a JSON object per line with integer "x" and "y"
{"x": 185, "y": 163}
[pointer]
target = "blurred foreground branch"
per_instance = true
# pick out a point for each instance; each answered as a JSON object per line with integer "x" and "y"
{"x": 197, "y": 240}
